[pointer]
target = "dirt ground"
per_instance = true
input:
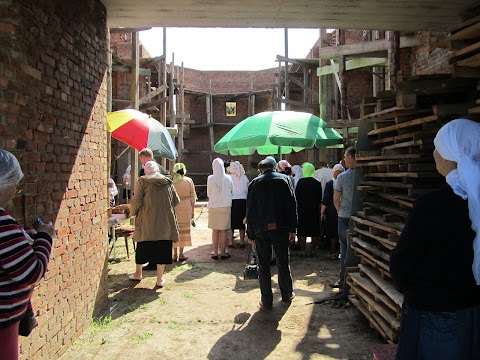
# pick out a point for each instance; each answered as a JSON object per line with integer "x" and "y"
{"x": 208, "y": 311}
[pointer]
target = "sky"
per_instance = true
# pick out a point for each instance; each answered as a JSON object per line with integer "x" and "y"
{"x": 228, "y": 48}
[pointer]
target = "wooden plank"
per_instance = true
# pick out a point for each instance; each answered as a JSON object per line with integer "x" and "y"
{"x": 387, "y": 286}
{"x": 351, "y": 65}
{"x": 388, "y": 184}
{"x": 363, "y": 309}
{"x": 388, "y": 209}
{"x": 372, "y": 249}
{"x": 414, "y": 175}
{"x": 376, "y": 300}
{"x": 384, "y": 241}
{"x": 465, "y": 72}
{"x": 390, "y": 162}
{"x": 470, "y": 32}
{"x": 472, "y": 61}
{"x": 374, "y": 224}
{"x": 302, "y": 85}
{"x": 377, "y": 221}
{"x": 295, "y": 103}
{"x": 389, "y": 157}
{"x": 403, "y": 144}
{"x": 474, "y": 110}
{"x": 466, "y": 51}
{"x": 390, "y": 113}
{"x": 371, "y": 259}
{"x": 457, "y": 27}
{"x": 147, "y": 98}
{"x": 415, "y": 122}
{"x": 397, "y": 199}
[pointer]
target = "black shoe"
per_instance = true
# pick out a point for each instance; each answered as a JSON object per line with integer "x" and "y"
{"x": 336, "y": 285}
{"x": 288, "y": 297}
{"x": 150, "y": 266}
{"x": 265, "y": 306}
{"x": 273, "y": 262}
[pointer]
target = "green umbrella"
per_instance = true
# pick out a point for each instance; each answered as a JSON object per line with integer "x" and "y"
{"x": 277, "y": 132}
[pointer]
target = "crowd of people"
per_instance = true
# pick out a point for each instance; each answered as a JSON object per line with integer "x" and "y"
{"x": 272, "y": 206}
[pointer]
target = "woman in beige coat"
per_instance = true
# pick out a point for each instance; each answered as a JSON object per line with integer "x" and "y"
{"x": 156, "y": 225}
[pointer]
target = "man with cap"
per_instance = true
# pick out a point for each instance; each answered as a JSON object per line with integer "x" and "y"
{"x": 272, "y": 221}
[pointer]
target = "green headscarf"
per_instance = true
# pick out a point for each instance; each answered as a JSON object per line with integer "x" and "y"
{"x": 176, "y": 176}
{"x": 308, "y": 170}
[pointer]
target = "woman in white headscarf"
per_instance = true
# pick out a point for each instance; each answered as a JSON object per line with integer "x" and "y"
{"x": 297, "y": 174}
{"x": 330, "y": 215}
{"x": 219, "y": 192}
{"x": 239, "y": 200}
{"x": 432, "y": 262}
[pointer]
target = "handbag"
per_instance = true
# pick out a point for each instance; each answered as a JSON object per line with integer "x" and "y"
{"x": 251, "y": 269}
{"x": 28, "y": 322}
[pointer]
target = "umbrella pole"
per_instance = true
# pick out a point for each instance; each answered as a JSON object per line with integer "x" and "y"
{"x": 279, "y": 154}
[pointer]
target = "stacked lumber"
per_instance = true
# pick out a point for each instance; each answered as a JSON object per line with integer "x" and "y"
{"x": 464, "y": 41}
{"x": 397, "y": 164}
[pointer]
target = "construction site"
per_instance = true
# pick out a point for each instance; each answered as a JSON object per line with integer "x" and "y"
{"x": 386, "y": 76}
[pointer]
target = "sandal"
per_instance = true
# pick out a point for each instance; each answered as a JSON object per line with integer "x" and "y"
{"x": 183, "y": 258}
{"x": 133, "y": 278}
{"x": 215, "y": 257}
{"x": 162, "y": 284}
{"x": 227, "y": 256}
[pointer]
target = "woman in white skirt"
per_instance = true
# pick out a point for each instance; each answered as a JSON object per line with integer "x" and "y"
{"x": 219, "y": 192}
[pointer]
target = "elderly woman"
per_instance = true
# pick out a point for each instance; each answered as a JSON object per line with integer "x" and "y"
{"x": 297, "y": 174}
{"x": 330, "y": 215}
{"x": 156, "y": 225}
{"x": 185, "y": 210}
{"x": 432, "y": 262}
{"x": 284, "y": 167}
{"x": 219, "y": 192}
{"x": 23, "y": 260}
{"x": 309, "y": 196}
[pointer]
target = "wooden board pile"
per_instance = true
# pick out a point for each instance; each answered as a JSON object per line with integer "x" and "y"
{"x": 397, "y": 165}
{"x": 464, "y": 42}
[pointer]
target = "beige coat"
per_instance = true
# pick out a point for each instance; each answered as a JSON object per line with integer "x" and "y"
{"x": 153, "y": 205}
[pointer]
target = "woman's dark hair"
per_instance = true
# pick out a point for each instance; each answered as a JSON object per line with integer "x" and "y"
{"x": 287, "y": 171}
{"x": 180, "y": 171}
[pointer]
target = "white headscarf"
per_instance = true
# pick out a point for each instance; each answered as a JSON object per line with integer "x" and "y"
{"x": 219, "y": 176}
{"x": 297, "y": 170}
{"x": 336, "y": 168}
{"x": 11, "y": 173}
{"x": 459, "y": 141}
{"x": 151, "y": 167}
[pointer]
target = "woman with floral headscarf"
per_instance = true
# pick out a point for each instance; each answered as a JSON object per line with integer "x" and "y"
{"x": 309, "y": 196}
{"x": 185, "y": 210}
{"x": 219, "y": 192}
{"x": 436, "y": 262}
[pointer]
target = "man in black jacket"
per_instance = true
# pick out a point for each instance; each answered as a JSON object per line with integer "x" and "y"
{"x": 272, "y": 220}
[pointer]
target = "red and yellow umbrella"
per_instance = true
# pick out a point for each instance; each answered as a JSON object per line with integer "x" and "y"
{"x": 140, "y": 130}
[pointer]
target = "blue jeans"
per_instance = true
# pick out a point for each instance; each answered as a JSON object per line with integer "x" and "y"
{"x": 432, "y": 335}
{"x": 263, "y": 242}
{"x": 343, "y": 225}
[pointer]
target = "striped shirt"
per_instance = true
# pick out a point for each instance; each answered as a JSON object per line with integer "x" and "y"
{"x": 22, "y": 265}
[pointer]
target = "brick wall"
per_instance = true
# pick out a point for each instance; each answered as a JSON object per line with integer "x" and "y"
{"x": 428, "y": 60}
{"x": 52, "y": 117}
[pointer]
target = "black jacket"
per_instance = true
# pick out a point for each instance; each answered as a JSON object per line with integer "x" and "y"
{"x": 432, "y": 262}
{"x": 270, "y": 200}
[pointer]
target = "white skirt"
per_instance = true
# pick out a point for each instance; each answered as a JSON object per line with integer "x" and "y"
{"x": 219, "y": 218}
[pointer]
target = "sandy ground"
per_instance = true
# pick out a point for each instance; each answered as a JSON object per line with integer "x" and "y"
{"x": 208, "y": 311}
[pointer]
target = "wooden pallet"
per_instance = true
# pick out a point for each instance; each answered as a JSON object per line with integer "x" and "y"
{"x": 372, "y": 256}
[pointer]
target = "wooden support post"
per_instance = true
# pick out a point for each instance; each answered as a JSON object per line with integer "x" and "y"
{"x": 306, "y": 97}
{"x": 287, "y": 106}
{"x": 279, "y": 87}
{"x": 393, "y": 58}
{"x": 343, "y": 87}
{"x": 134, "y": 96}
{"x": 181, "y": 111}
{"x": 322, "y": 83}
{"x": 210, "y": 119}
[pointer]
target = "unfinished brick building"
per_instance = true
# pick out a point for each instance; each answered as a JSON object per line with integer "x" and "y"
{"x": 54, "y": 67}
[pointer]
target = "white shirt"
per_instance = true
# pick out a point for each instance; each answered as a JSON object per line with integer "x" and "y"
{"x": 323, "y": 175}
